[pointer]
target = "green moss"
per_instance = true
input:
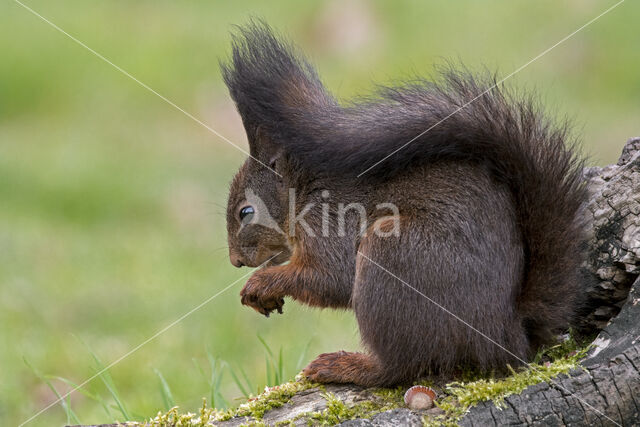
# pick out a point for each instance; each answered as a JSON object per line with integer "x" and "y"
{"x": 461, "y": 396}
{"x": 392, "y": 397}
{"x": 458, "y": 397}
{"x": 338, "y": 411}
{"x": 272, "y": 397}
{"x": 173, "y": 418}
{"x": 255, "y": 408}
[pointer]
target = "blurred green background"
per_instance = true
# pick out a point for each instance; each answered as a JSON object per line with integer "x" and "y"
{"x": 112, "y": 201}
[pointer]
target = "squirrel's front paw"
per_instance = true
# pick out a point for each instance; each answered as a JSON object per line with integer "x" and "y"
{"x": 261, "y": 294}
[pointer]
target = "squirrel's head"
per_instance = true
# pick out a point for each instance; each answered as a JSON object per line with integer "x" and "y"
{"x": 257, "y": 214}
{"x": 277, "y": 94}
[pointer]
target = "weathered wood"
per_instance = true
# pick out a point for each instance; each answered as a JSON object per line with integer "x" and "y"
{"x": 614, "y": 236}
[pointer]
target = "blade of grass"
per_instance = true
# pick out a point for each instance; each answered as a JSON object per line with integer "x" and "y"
{"x": 239, "y": 384}
{"x": 165, "y": 390}
{"x": 70, "y": 414}
{"x": 248, "y": 381}
{"x": 88, "y": 394}
{"x": 212, "y": 381}
{"x": 197, "y": 365}
{"x": 248, "y": 387}
{"x": 264, "y": 344}
{"x": 207, "y": 379}
{"x": 274, "y": 369}
{"x": 106, "y": 379}
{"x": 66, "y": 404}
{"x": 220, "y": 401}
{"x": 268, "y": 365}
{"x": 280, "y": 377}
{"x": 110, "y": 385}
{"x": 302, "y": 357}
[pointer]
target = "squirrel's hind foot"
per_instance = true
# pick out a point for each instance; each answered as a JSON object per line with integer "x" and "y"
{"x": 344, "y": 367}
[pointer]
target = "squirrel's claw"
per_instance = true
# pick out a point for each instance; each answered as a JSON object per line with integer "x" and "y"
{"x": 262, "y": 303}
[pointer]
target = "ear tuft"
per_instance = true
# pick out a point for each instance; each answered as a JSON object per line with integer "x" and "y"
{"x": 273, "y": 87}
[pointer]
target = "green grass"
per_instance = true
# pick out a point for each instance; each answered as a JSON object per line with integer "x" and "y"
{"x": 112, "y": 201}
{"x": 112, "y": 401}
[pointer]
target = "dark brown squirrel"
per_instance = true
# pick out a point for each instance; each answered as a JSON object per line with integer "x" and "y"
{"x": 478, "y": 265}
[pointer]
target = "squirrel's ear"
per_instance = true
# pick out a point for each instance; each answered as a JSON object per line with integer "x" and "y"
{"x": 264, "y": 147}
{"x": 275, "y": 90}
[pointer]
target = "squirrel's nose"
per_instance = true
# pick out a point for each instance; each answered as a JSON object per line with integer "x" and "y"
{"x": 235, "y": 260}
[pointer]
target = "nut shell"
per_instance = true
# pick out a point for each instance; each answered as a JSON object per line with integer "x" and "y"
{"x": 419, "y": 397}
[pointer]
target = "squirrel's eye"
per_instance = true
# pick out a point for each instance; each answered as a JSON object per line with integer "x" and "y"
{"x": 246, "y": 214}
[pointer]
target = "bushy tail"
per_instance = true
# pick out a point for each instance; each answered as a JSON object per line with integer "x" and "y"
{"x": 456, "y": 118}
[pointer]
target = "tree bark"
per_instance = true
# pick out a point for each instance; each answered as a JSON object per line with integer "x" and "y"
{"x": 612, "y": 215}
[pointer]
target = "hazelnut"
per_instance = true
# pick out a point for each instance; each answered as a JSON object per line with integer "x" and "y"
{"x": 419, "y": 397}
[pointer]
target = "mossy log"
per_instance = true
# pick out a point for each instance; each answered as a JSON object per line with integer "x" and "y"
{"x": 605, "y": 390}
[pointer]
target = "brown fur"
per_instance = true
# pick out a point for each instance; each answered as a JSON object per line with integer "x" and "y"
{"x": 488, "y": 204}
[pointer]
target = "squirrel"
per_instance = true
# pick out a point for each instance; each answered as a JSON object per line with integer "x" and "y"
{"x": 478, "y": 266}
